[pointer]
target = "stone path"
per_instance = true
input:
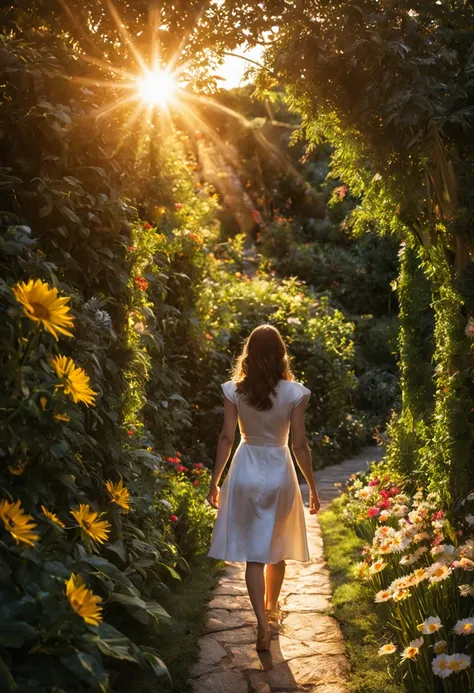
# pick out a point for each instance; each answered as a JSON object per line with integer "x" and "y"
{"x": 308, "y": 655}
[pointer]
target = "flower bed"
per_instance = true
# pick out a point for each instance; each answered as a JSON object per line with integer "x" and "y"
{"x": 418, "y": 560}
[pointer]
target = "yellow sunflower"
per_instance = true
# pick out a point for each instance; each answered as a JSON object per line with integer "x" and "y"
{"x": 83, "y": 601}
{"x": 89, "y": 521}
{"x": 43, "y": 305}
{"x": 75, "y": 380}
{"x": 51, "y": 516}
{"x": 119, "y": 494}
{"x": 17, "y": 468}
{"x": 17, "y": 522}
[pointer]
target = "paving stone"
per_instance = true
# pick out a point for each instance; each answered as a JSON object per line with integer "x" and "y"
{"x": 301, "y": 671}
{"x": 305, "y": 602}
{"x": 258, "y": 681}
{"x": 294, "y": 648}
{"x": 227, "y": 586}
{"x": 238, "y": 636}
{"x": 221, "y": 619}
{"x": 210, "y": 657}
{"x": 311, "y": 627}
{"x": 230, "y": 602}
{"x": 225, "y": 681}
{"x": 245, "y": 657}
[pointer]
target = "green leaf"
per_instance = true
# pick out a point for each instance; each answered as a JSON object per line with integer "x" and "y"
{"x": 16, "y": 633}
{"x": 85, "y": 666}
{"x": 6, "y": 674}
{"x": 135, "y": 606}
{"x": 111, "y": 571}
{"x": 172, "y": 571}
{"x": 157, "y": 610}
{"x": 156, "y": 663}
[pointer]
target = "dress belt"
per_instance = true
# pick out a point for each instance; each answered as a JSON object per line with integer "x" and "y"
{"x": 255, "y": 440}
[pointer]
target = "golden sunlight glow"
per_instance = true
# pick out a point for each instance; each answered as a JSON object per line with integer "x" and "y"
{"x": 157, "y": 88}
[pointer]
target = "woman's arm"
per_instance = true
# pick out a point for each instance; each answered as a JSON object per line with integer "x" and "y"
{"x": 224, "y": 447}
{"x": 300, "y": 447}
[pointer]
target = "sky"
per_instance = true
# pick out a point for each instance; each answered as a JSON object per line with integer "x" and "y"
{"x": 233, "y": 69}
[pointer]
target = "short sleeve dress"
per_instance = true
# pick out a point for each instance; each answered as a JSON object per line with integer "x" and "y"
{"x": 260, "y": 516}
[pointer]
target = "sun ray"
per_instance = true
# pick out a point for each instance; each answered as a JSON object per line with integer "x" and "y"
{"x": 125, "y": 34}
{"x": 115, "y": 105}
{"x": 107, "y": 66}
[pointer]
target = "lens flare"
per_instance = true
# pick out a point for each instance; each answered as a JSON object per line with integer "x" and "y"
{"x": 156, "y": 88}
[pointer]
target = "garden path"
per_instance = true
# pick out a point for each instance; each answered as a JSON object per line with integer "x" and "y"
{"x": 308, "y": 655}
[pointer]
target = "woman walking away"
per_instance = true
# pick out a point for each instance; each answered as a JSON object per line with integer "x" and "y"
{"x": 260, "y": 517}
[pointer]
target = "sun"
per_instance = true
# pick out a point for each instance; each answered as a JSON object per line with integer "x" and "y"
{"x": 156, "y": 87}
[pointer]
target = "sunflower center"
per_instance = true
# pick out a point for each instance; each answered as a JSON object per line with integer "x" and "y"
{"x": 41, "y": 311}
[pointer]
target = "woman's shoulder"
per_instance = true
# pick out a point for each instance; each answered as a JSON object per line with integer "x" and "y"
{"x": 295, "y": 392}
{"x": 294, "y": 386}
{"x": 229, "y": 389}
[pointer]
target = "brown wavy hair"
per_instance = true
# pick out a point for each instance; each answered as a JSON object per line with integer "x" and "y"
{"x": 260, "y": 367}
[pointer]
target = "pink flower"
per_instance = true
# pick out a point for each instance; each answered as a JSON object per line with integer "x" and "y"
{"x": 342, "y": 191}
{"x": 460, "y": 532}
{"x": 185, "y": 469}
{"x": 180, "y": 468}
{"x": 394, "y": 491}
{"x": 438, "y": 515}
{"x": 173, "y": 518}
{"x": 372, "y": 512}
{"x": 374, "y": 482}
{"x": 385, "y": 494}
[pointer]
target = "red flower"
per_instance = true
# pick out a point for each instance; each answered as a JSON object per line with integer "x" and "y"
{"x": 146, "y": 225}
{"x": 132, "y": 248}
{"x": 185, "y": 469}
{"x": 385, "y": 494}
{"x": 342, "y": 191}
{"x": 178, "y": 454}
{"x": 196, "y": 482}
{"x": 373, "y": 512}
{"x": 141, "y": 283}
{"x": 256, "y": 216}
{"x": 384, "y": 504}
{"x": 198, "y": 465}
{"x": 180, "y": 468}
{"x": 208, "y": 336}
{"x": 335, "y": 284}
{"x": 374, "y": 482}
{"x": 394, "y": 491}
{"x": 170, "y": 459}
{"x": 178, "y": 205}
{"x": 194, "y": 237}
{"x": 130, "y": 432}
{"x": 173, "y": 518}
{"x": 437, "y": 515}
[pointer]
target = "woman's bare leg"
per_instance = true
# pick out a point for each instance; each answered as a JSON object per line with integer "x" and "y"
{"x": 274, "y": 575}
{"x": 255, "y": 579}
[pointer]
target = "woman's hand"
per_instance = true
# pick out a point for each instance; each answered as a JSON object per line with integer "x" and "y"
{"x": 213, "y": 495}
{"x": 314, "y": 503}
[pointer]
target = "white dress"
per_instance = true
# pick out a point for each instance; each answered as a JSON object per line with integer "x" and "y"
{"x": 260, "y": 516}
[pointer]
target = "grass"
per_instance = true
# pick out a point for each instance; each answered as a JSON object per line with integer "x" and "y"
{"x": 353, "y": 607}
{"x": 177, "y": 643}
